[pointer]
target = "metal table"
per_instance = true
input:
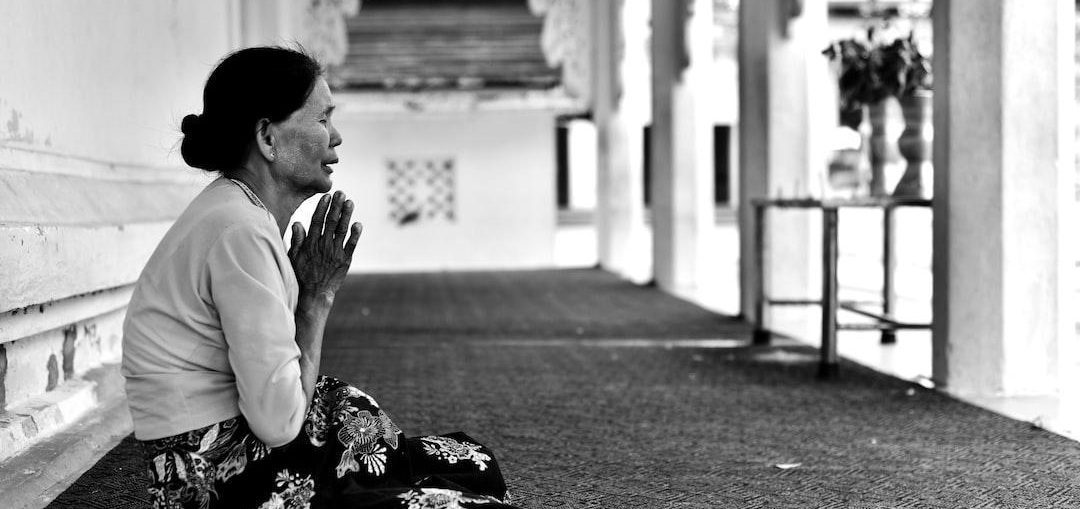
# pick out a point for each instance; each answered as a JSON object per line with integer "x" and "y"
{"x": 830, "y": 305}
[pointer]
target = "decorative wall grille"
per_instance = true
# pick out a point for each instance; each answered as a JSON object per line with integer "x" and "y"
{"x": 421, "y": 189}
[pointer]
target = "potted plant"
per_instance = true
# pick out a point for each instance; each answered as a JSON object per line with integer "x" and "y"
{"x": 910, "y": 72}
{"x": 872, "y": 70}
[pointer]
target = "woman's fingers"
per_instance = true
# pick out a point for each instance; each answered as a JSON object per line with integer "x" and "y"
{"x": 343, "y": 223}
{"x": 297, "y": 239}
{"x": 333, "y": 216}
{"x": 319, "y": 217}
{"x": 329, "y": 226}
{"x": 350, "y": 245}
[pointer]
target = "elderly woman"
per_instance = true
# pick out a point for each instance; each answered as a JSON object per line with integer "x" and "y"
{"x": 224, "y": 331}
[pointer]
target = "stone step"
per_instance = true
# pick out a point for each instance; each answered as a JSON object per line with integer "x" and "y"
{"x": 57, "y": 437}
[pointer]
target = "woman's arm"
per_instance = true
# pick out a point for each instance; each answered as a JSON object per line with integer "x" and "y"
{"x": 321, "y": 259}
{"x": 311, "y": 315}
{"x": 244, "y": 270}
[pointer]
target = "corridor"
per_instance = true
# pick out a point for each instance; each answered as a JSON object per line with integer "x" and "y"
{"x": 597, "y": 393}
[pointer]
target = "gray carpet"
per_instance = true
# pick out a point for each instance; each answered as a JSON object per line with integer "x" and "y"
{"x": 529, "y": 363}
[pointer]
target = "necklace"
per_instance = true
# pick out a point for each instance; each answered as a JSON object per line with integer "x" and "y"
{"x": 250, "y": 194}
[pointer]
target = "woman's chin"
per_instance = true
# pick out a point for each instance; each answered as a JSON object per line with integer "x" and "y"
{"x": 326, "y": 177}
{"x": 323, "y": 181}
{"x": 312, "y": 183}
{"x": 316, "y": 187}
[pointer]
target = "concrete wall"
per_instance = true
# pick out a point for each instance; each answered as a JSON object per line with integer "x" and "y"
{"x": 91, "y": 98}
{"x": 504, "y": 206}
{"x": 114, "y": 94}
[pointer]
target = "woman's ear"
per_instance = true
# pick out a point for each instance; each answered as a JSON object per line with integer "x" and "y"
{"x": 264, "y": 138}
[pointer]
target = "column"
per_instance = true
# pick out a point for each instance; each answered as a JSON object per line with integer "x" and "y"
{"x": 620, "y": 110}
{"x": 1003, "y": 191}
{"x": 270, "y": 22}
{"x": 681, "y": 204}
{"x": 786, "y": 106}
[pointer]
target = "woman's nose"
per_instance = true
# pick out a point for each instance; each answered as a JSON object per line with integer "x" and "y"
{"x": 335, "y": 137}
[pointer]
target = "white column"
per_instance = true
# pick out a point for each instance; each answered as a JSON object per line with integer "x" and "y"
{"x": 265, "y": 22}
{"x": 681, "y": 143}
{"x": 786, "y": 105}
{"x": 1003, "y": 185}
{"x": 620, "y": 110}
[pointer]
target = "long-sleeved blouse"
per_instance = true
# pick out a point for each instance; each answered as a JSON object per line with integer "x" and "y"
{"x": 210, "y": 331}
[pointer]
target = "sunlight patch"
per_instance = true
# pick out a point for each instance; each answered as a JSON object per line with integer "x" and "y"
{"x": 717, "y": 343}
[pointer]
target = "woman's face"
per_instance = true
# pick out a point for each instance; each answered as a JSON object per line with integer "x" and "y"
{"x": 304, "y": 143}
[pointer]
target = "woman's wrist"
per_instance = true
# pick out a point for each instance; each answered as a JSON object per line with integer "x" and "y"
{"x": 316, "y": 303}
{"x": 312, "y": 310}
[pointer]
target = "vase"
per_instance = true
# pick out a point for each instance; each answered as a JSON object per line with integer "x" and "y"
{"x": 916, "y": 143}
{"x": 879, "y": 147}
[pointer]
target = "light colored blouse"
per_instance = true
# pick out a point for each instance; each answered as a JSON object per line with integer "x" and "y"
{"x": 210, "y": 331}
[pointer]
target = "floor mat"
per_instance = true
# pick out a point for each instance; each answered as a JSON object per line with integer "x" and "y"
{"x": 675, "y": 418}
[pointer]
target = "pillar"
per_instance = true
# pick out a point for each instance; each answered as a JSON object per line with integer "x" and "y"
{"x": 786, "y": 105}
{"x": 620, "y": 111}
{"x": 264, "y": 22}
{"x": 681, "y": 185}
{"x": 1003, "y": 187}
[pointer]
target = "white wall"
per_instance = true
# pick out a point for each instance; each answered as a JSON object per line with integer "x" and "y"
{"x": 91, "y": 98}
{"x": 109, "y": 79}
{"x": 505, "y": 188}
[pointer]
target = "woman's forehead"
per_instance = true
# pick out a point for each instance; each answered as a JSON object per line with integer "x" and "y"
{"x": 320, "y": 99}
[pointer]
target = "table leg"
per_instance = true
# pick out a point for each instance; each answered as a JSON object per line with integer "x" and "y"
{"x": 888, "y": 265}
{"x": 761, "y": 333}
{"x": 828, "y": 365}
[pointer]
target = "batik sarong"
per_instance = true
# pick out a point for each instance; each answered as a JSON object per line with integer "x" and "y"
{"x": 350, "y": 454}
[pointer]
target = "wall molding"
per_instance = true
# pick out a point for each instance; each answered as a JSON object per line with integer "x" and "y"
{"x": 35, "y": 319}
{"x": 555, "y": 100}
{"x": 16, "y": 156}
{"x": 47, "y": 263}
{"x": 30, "y": 198}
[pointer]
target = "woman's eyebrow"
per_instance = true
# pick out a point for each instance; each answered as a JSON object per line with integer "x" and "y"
{"x": 329, "y": 109}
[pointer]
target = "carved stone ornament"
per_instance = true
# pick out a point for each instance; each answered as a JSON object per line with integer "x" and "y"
{"x": 324, "y": 30}
{"x": 726, "y": 28}
{"x": 566, "y": 42}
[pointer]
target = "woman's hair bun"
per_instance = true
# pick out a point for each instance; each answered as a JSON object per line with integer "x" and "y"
{"x": 198, "y": 148}
{"x": 191, "y": 124}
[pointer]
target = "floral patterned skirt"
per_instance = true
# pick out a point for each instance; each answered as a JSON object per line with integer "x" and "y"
{"x": 349, "y": 455}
